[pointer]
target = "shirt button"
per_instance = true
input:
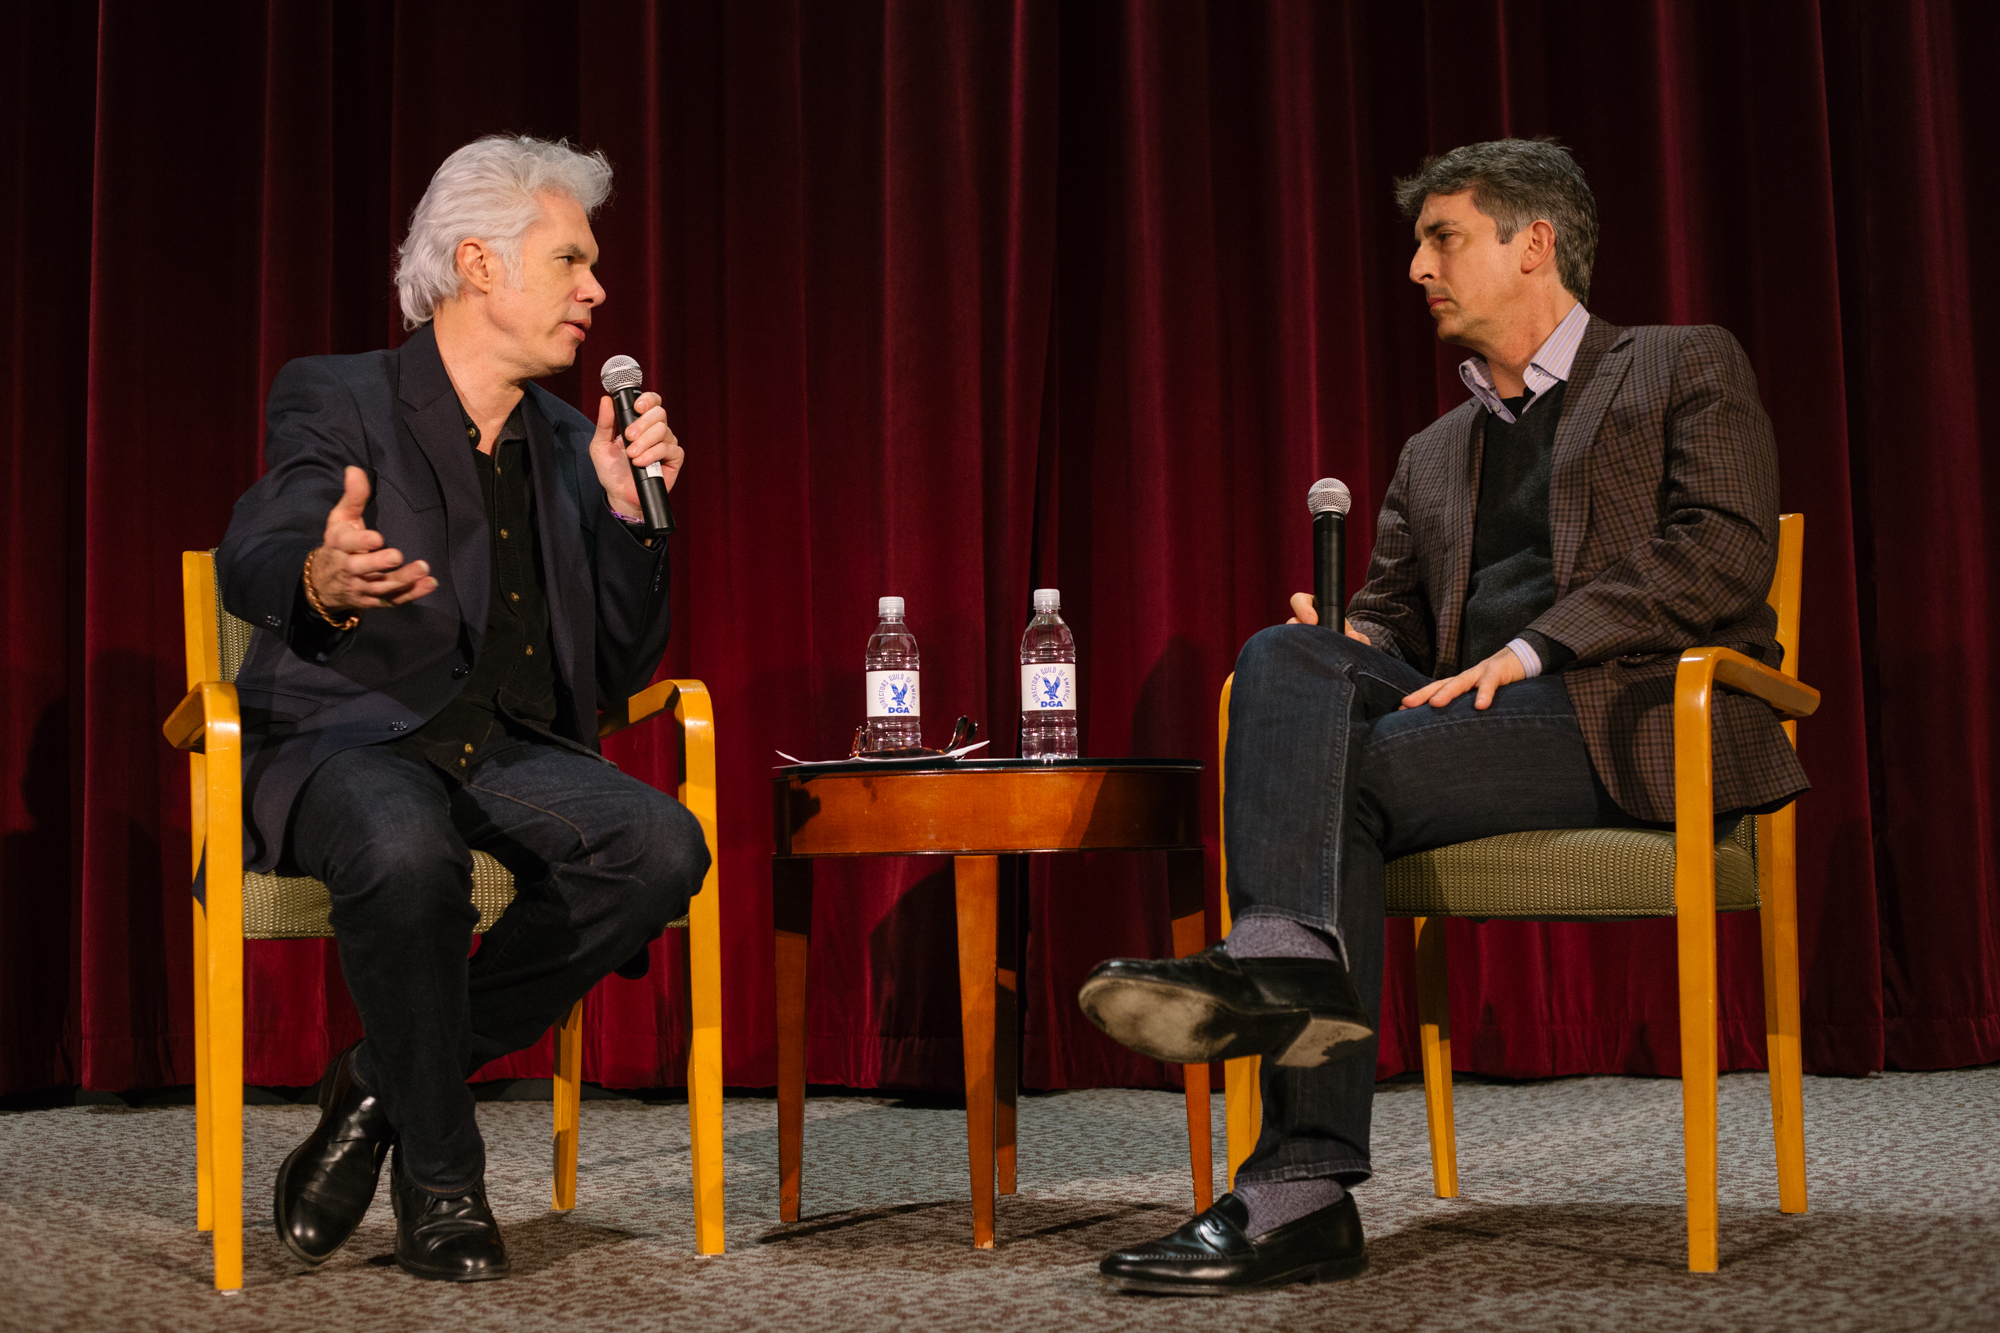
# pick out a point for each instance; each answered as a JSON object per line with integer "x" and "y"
{"x": 461, "y": 763}
{"x": 515, "y": 595}
{"x": 531, "y": 650}
{"x": 468, "y": 750}
{"x": 461, "y": 671}
{"x": 472, "y": 433}
{"x": 503, "y": 533}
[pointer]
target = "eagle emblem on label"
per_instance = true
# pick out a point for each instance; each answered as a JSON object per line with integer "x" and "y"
{"x": 1048, "y": 687}
{"x": 894, "y": 694}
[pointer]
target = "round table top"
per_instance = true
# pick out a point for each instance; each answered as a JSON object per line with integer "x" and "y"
{"x": 932, "y": 764}
{"x": 974, "y": 807}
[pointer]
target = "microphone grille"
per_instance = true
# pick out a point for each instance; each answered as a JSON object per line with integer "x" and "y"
{"x": 1328, "y": 496}
{"x": 621, "y": 372}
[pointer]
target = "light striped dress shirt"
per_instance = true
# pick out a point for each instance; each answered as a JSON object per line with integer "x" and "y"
{"x": 1548, "y": 367}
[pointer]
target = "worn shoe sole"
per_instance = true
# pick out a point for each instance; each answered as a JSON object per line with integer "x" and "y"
{"x": 1334, "y": 1270}
{"x": 1186, "y": 1026}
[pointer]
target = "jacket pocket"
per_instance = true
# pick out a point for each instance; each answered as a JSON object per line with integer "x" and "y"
{"x": 273, "y": 712}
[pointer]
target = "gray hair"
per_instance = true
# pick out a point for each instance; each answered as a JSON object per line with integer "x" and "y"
{"x": 488, "y": 191}
{"x": 1518, "y": 182}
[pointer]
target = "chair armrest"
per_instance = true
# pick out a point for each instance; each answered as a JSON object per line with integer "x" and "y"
{"x": 212, "y": 703}
{"x": 650, "y": 702}
{"x": 1788, "y": 697}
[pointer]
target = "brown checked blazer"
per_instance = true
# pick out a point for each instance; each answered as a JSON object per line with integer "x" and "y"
{"x": 1663, "y": 516}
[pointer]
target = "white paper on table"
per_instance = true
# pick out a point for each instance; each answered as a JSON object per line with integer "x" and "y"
{"x": 959, "y": 753}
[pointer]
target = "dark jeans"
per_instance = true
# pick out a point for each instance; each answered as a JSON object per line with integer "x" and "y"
{"x": 1326, "y": 780}
{"x": 601, "y": 861}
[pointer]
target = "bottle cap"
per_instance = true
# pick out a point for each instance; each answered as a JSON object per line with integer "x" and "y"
{"x": 1047, "y": 599}
{"x": 889, "y": 606}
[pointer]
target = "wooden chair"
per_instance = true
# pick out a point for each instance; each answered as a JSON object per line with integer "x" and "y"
{"x": 1619, "y": 874}
{"x": 241, "y": 906}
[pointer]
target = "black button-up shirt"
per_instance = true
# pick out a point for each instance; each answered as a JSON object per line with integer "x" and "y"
{"x": 511, "y": 687}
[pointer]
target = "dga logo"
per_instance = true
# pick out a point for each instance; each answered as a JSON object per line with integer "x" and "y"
{"x": 895, "y": 693}
{"x": 1051, "y": 687}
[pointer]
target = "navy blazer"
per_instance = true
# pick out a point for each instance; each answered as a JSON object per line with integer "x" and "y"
{"x": 307, "y": 693}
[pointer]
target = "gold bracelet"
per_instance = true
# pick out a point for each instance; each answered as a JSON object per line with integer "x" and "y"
{"x": 312, "y": 595}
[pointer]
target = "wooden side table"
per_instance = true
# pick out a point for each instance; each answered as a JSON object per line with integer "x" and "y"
{"x": 976, "y": 811}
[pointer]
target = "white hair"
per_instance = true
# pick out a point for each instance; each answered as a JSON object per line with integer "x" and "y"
{"x": 488, "y": 191}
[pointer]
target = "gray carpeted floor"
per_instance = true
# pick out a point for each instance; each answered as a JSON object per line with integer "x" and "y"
{"x": 1570, "y": 1218}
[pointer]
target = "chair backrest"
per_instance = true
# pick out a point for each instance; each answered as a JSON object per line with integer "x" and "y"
{"x": 1785, "y": 587}
{"x": 216, "y": 641}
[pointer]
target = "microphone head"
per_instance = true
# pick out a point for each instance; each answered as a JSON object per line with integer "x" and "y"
{"x": 621, "y": 372}
{"x": 1328, "y": 496}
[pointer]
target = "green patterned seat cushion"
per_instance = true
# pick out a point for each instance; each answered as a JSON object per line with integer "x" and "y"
{"x": 1580, "y": 874}
{"x": 292, "y": 907}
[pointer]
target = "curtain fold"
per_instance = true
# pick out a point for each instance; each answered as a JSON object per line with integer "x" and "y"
{"x": 950, "y": 301}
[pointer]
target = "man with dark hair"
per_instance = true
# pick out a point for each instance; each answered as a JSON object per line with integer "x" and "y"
{"x": 447, "y": 573}
{"x": 1605, "y": 499}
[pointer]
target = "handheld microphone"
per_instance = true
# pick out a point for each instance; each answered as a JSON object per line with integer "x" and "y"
{"x": 1328, "y": 502}
{"x": 621, "y": 377}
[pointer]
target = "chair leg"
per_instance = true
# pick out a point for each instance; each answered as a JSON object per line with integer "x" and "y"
{"x": 1778, "y": 869}
{"x": 568, "y": 1097}
{"x": 1243, "y": 1093}
{"x": 1188, "y": 911}
{"x": 977, "y": 884}
{"x": 223, "y": 887}
{"x": 1434, "y": 1035}
{"x": 1694, "y": 908}
{"x": 204, "y": 1114}
{"x": 791, "y": 913}
{"x": 704, "y": 1071}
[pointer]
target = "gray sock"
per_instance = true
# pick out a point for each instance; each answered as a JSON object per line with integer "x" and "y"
{"x": 1272, "y": 1203}
{"x": 1276, "y": 937}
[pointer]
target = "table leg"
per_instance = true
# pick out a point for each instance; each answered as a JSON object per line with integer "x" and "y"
{"x": 1013, "y": 887}
{"x": 791, "y": 915}
{"x": 1186, "y": 904}
{"x": 977, "y": 882}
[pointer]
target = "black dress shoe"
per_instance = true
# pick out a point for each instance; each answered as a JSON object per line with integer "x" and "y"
{"x": 325, "y": 1186}
{"x": 447, "y": 1239}
{"x": 1209, "y": 1006}
{"x": 1211, "y": 1256}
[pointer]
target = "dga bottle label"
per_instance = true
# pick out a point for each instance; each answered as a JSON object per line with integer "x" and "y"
{"x": 1048, "y": 687}
{"x": 893, "y": 694}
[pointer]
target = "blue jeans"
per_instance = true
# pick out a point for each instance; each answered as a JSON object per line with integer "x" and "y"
{"x": 1326, "y": 780}
{"x": 601, "y": 862}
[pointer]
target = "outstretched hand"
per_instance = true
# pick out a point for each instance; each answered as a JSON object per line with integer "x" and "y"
{"x": 1305, "y": 611}
{"x": 1503, "y": 668}
{"x": 352, "y": 570}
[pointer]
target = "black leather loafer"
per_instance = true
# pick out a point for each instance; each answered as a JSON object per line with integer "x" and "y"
{"x": 325, "y": 1186}
{"x": 1211, "y": 1256}
{"x": 1302, "y": 1012}
{"x": 445, "y": 1239}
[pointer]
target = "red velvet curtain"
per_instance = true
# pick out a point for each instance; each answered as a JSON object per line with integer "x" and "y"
{"x": 952, "y": 301}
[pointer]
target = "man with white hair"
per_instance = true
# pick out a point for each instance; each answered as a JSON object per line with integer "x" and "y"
{"x": 448, "y": 573}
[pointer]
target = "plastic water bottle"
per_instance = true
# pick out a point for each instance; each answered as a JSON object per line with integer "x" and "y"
{"x": 1048, "y": 682}
{"x": 895, "y": 706}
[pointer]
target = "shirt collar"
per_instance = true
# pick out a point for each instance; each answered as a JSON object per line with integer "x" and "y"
{"x": 1548, "y": 367}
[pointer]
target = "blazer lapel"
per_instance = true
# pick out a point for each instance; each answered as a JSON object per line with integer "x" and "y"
{"x": 430, "y": 412}
{"x": 565, "y": 563}
{"x": 1594, "y": 377}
